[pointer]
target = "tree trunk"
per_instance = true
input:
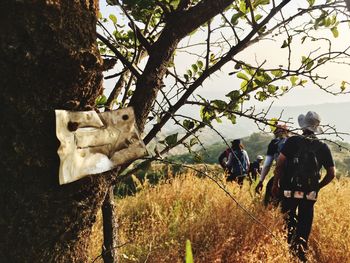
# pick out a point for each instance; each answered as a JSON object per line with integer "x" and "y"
{"x": 110, "y": 228}
{"x": 49, "y": 60}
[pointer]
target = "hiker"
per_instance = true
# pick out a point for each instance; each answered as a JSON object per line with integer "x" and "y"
{"x": 237, "y": 163}
{"x": 255, "y": 168}
{"x": 297, "y": 178}
{"x": 281, "y": 134}
{"x": 223, "y": 158}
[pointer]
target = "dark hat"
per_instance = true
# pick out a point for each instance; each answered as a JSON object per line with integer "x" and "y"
{"x": 236, "y": 141}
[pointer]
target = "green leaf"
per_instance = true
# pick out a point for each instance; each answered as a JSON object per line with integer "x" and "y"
{"x": 220, "y": 104}
{"x": 197, "y": 158}
{"x": 238, "y": 65}
{"x": 343, "y": 85}
{"x": 285, "y": 44}
{"x": 307, "y": 62}
{"x": 188, "y": 124}
{"x": 302, "y": 82}
{"x": 293, "y": 80}
{"x": 218, "y": 120}
{"x": 244, "y": 85}
{"x": 233, "y": 95}
{"x": 193, "y": 141}
{"x": 112, "y": 2}
{"x": 232, "y": 118}
{"x": 272, "y": 123}
{"x": 212, "y": 58}
{"x": 194, "y": 68}
{"x": 284, "y": 88}
{"x": 309, "y": 65}
{"x": 261, "y": 95}
{"x": 327, "y": 22}
{"x": 242, "y": 6}
{"x": 101, "y": 101}
{"x": 322, "y": 60}
{"x": 277, "y": 73}
{"x": 206, "y": 114}
{"x": 257, "y": 17}
{"x": 311, "y": 2}
{"x": 235, "y": 17}
{"x": 200, "y": 64}
{"x": 249, "y": 70}
{"x": 171, "y": 140}
{"x": 242, "y": 76}
{"x": 189, "y": 73}
{"x": 260, "y": 2}
{"x": 272, "y": 89}
{"x": 113, "y": 18}
{"x": 187, "y": 77}
{"x": 335, "y": 31}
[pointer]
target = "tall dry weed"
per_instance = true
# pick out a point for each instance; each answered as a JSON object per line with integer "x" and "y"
{"x": 155, "y": 224}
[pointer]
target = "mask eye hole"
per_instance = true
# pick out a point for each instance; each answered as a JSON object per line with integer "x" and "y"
{"x": 72, "y": 126}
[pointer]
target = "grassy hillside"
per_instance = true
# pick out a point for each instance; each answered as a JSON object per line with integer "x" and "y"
{"x": 155, "y": 224}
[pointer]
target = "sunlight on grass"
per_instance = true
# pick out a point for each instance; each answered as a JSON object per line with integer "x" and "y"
{"x": 155, "y": 224}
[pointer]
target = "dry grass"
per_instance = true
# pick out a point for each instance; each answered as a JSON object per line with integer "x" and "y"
{"x": 155, "y": 224}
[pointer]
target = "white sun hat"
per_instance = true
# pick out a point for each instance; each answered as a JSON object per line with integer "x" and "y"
{"x": 311, "y": 121}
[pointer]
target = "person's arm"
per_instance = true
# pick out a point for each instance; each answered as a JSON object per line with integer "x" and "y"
{"x": 266, "y": 167}
{"x": 278, "y": 174}
{"x": 229, "y": 160}
{"x": 329, "y": 165}
{"x": 246, "y": 156}
{"x": 330, "y": 174}
{"x": 221, "y": 159}
{"x": 265, "y": 170}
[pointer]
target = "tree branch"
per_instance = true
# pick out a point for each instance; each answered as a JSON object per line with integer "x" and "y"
{"x": 233, "y": 51}
{"x": 119, "y": 55}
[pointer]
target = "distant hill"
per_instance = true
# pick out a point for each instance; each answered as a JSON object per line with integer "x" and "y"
{"x": 333, "y": 114}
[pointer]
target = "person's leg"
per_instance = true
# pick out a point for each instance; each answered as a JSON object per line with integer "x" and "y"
{"x": 230, "y": 178}
{"x": 289, "y": 206}
{"x": 268, "y": 192}
{"x": 239, "y": 180}
{"x": 305, "y": 218}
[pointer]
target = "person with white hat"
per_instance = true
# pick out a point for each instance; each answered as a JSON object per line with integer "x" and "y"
{"x": 255, "y": 168}
{"x": 297, "y": 178}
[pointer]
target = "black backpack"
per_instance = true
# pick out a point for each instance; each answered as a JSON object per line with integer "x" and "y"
{"x": 302, "y": 169}
{"x": 239, "y": 164}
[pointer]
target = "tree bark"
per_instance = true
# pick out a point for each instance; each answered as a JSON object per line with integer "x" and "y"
{"x": 49, "y": 60}
{"x": 110, "y": 228}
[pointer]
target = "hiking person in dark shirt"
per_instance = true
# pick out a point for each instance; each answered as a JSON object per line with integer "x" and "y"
{"x": 281, "y": 134}
{"x": 255, "y": 168}
{"x": 297, "y": 176}
{"x": 237, "y": 163}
